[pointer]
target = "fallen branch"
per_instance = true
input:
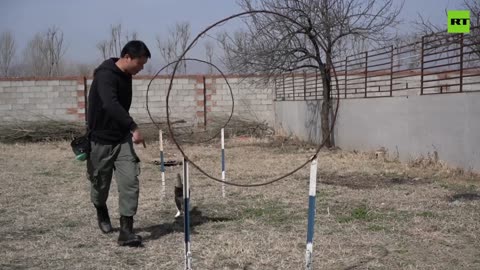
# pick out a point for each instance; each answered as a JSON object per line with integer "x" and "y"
{"x": 40, "y": 130}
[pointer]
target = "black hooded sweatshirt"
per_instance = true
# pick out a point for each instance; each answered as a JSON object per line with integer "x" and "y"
{"x": 109, "y": 100}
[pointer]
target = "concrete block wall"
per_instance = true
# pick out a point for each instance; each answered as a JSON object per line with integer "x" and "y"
{"x": 252, "y": 99}
{"x": 33, "y": 99}
{"x": 187, "y": 99}
{"x": 64, "y": 98}
{"x": 405, "y": 83}
{"x": 181, "y": 100}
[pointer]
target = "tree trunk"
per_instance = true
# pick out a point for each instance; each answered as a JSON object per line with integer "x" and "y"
{"x": 326, "y": 107}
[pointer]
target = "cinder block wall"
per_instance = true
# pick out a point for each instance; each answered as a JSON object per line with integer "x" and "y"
{"x": 34, "y": 98}
{"x": 64, "y": 98}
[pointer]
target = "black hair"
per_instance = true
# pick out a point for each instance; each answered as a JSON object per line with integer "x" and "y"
{"x": 135, "y": 49}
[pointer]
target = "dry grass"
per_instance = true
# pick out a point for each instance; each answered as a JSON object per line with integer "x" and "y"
{"x": 371, "y": 214}
{"x": 39, "y": 131}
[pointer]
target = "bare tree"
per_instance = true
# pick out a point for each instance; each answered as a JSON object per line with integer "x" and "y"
{"x": 7, "y": 52}
{"x": 112, "y": 47}
{"x": 474, "y": 7}
{"x": 54, "y": 50}
{"x": 307, "y": 35}
{"x": 175, "y": 44}
{"x": 408, "y": 49}
{"x": 34, "y": 61}
{"x": 426, "y": 27}
{"x": 44, "y": 53}
{"x": 104, "y": 48}
{"x": 84, "y": 69}
{"x": 148, "y": 70}
{"x": 116, "y": 39}
{"x": 444, "y": 47}
{"x": 209, "y": 56}
{"x": 167, "y": 52}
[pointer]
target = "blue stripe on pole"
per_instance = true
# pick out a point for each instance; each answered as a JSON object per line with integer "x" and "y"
{"x": 187, "y": 219}
{"x": 223, "y": 160}
{"x": 311, "y": 218}
{"x": 162, "y": 164}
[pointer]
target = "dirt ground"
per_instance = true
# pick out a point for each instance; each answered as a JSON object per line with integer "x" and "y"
{"x": 371, "y": 213}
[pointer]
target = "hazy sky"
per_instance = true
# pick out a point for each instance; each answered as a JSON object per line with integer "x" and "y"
{"x": 86, "y": 22}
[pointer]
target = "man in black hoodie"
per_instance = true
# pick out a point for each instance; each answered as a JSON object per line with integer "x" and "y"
{"x": 112, "y": 134}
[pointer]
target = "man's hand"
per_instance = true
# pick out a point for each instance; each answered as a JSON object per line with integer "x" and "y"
{"x": 137, "y": 137}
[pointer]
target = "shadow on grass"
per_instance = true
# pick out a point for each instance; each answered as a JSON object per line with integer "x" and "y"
{"x": 196, "y": 218}
{"x": 467, "y": 196}
{"x": 379, "y": 251}
{"x": 364, "y": 181}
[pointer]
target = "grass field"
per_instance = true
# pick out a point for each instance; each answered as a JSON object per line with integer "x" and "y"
{"x": 371, "y": 213}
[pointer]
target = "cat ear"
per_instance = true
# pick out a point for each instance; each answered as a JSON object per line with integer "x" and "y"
{"x": 179, "y": 181}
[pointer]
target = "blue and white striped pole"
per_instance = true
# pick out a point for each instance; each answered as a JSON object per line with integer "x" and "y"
{"x": 223, "y": 162}
{"x": 186, "y": 220}
{"x": 311, "y": 214}
{"x": 162, "y": 162}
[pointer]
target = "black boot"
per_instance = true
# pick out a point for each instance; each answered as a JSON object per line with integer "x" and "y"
{"x": 127, "y": 237}
{"x": 103, "y": 219}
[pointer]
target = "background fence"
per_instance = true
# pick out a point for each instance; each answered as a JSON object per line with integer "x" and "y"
{"x": 438, "y": 63}
{"x": 193, "y": 99}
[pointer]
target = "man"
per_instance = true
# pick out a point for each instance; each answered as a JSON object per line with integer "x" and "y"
{"x": 112, "y": 134}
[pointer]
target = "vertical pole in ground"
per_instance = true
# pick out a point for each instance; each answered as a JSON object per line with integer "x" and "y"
{"x": 311, "y": 214}
{"x": 162, "y": 162}
{"x": 223, "y": 162}
{"x": 186, "y": 220}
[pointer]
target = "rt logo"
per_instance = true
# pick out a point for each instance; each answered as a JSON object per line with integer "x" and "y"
{"x": 458, "y": 21}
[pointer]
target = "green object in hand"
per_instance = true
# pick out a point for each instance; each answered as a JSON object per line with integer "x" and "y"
{"x": 81, "y": 147}
{"x": 81, "y": 157}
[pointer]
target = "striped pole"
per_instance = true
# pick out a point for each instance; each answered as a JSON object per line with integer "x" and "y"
{"x": 223, "y": 162}
{"x": 311, "y": 214}
{"x": 162, "y": 162}
{"x": 186, "y": 220}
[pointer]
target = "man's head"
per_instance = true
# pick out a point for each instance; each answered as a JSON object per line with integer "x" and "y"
{"x": 134, "y": 55}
